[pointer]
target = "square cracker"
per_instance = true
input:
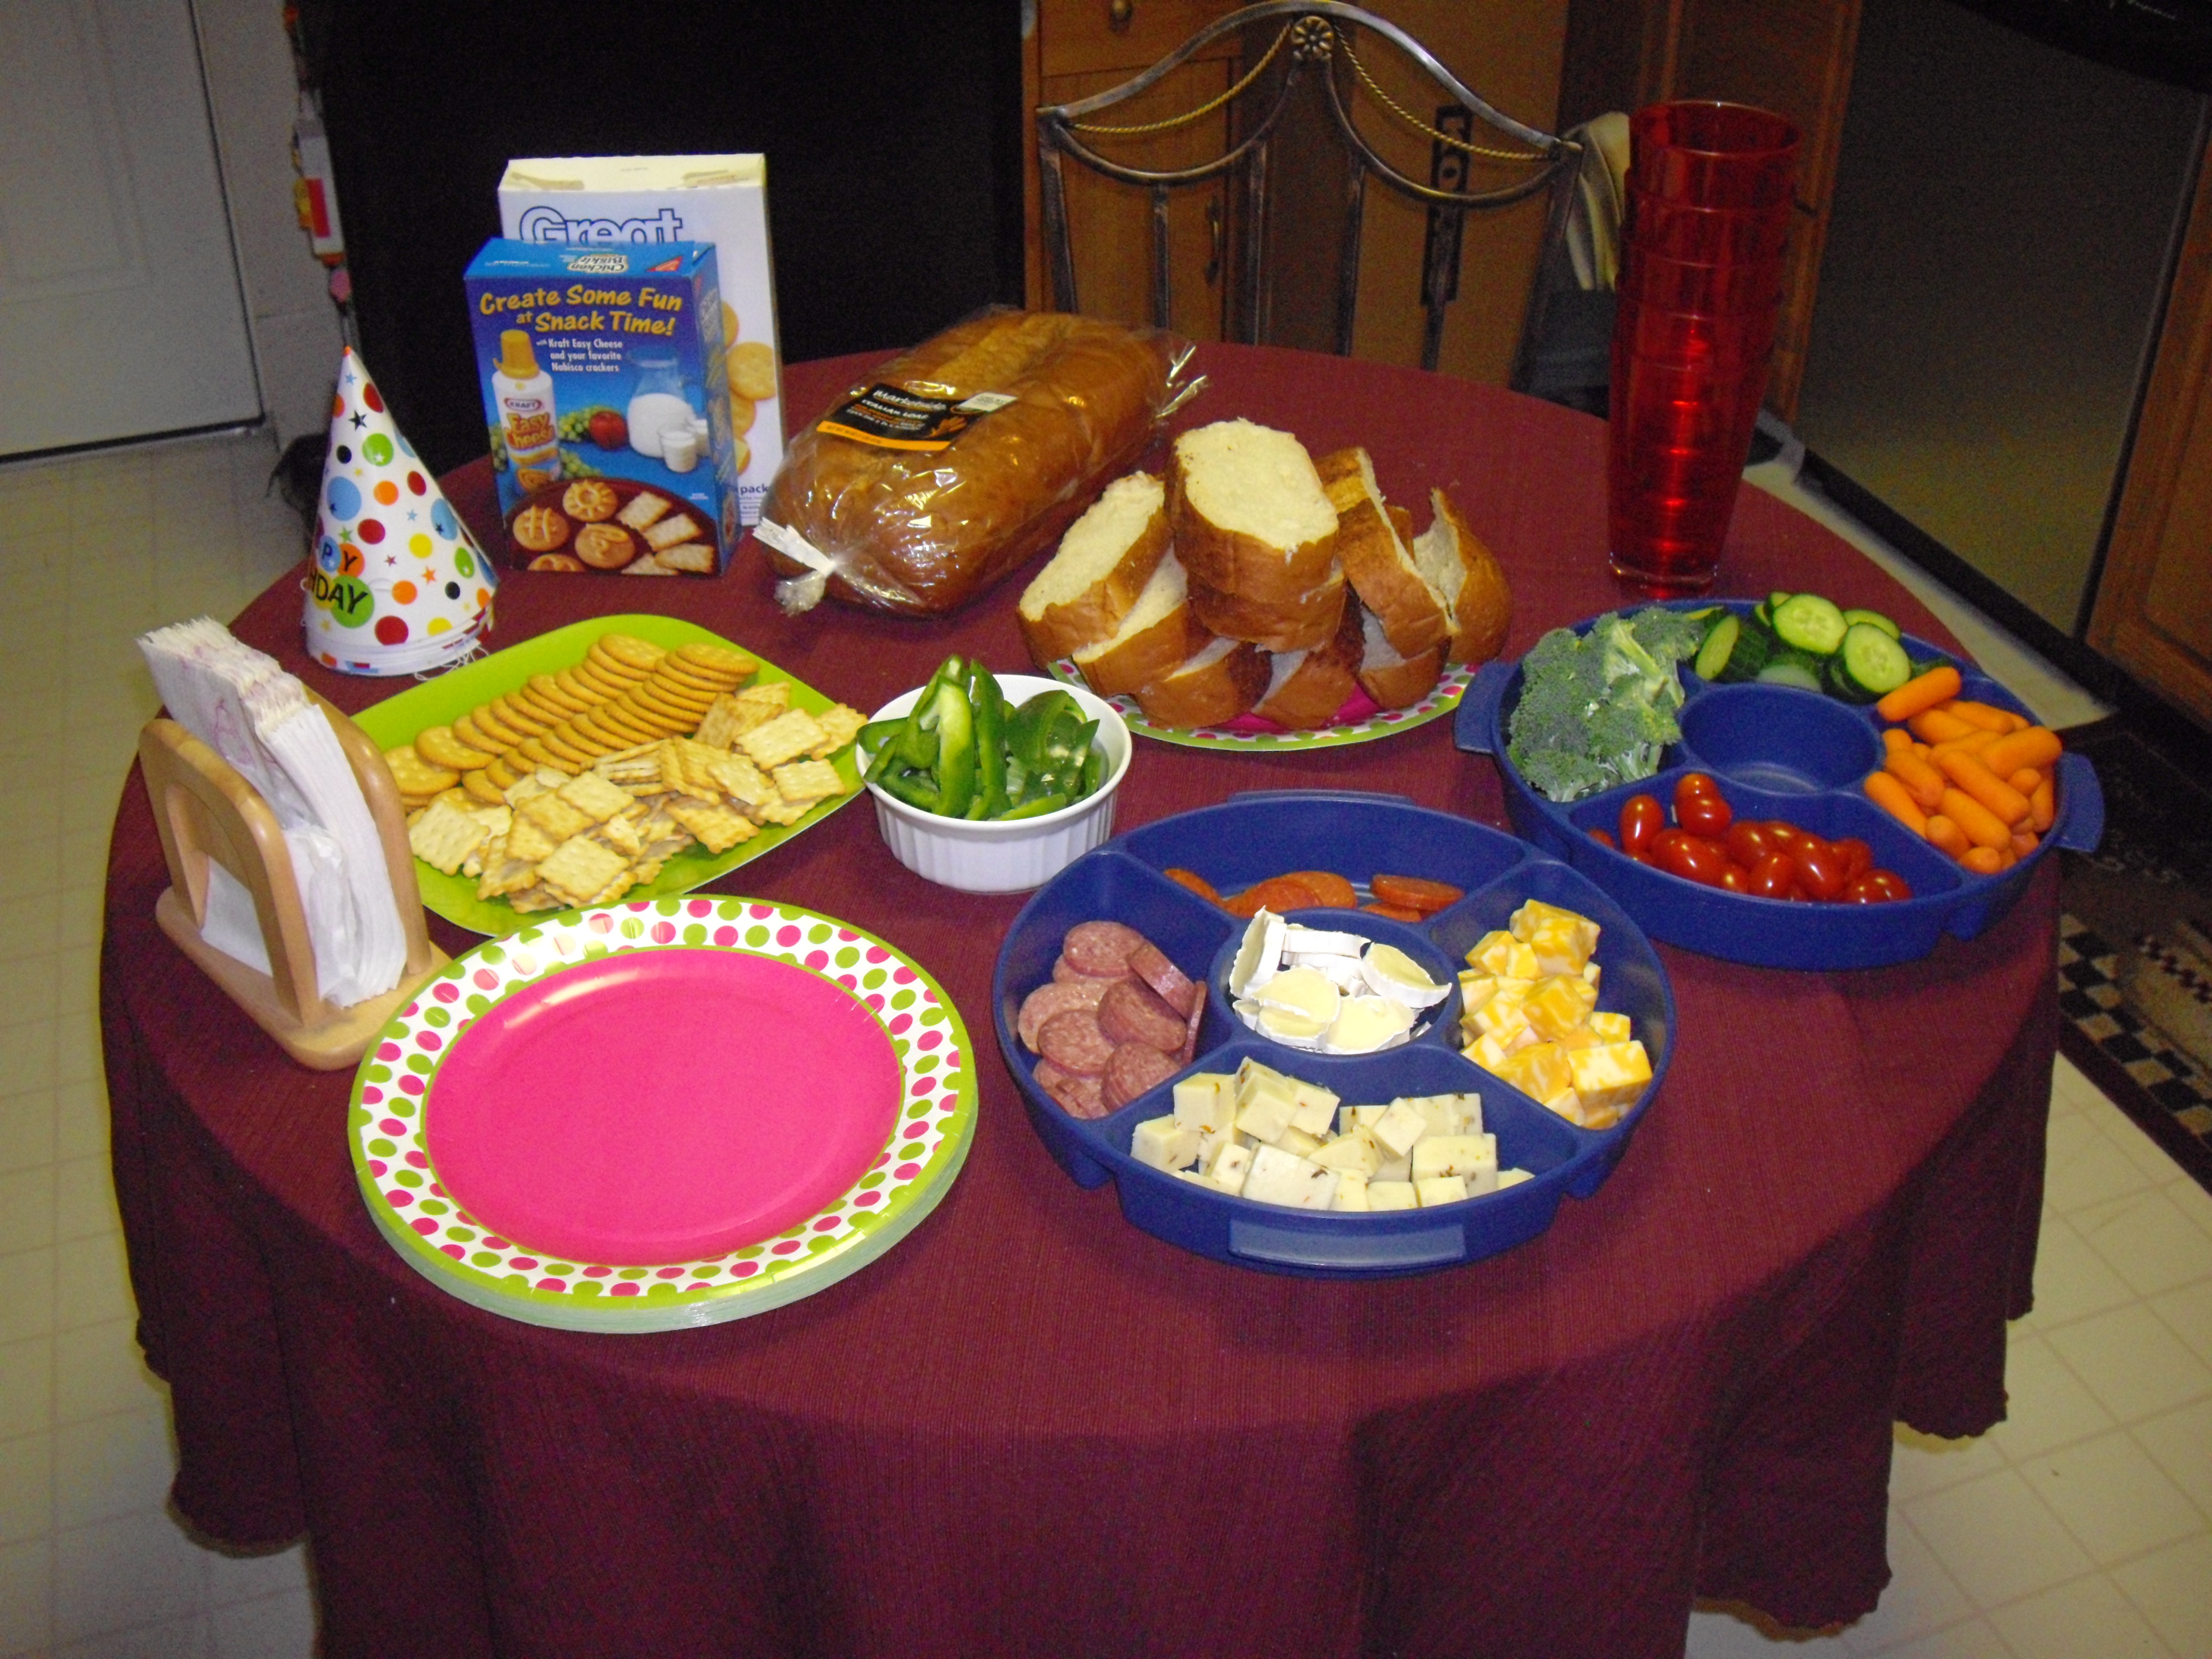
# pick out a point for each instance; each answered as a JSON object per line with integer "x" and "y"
{"x": 842, "y": 722}
{"x": 445, "y": 835}
{"x": 745, "y": 784}
{"x": 580, "y": 869}
{"x": 590, "y": 793}
{"x": 669, "y": 531}
{"x": 644, "y": 508}
{"x": 808, "y": 781}
{"x": 785, "y": 738}
{"x": 718, "y": 828}
{"x": 555, "y": 817}
{"x": 527, "y": 842}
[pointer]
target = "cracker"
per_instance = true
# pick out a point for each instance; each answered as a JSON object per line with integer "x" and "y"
{"x": 554, "y": 815}
{"x": 504, "y": 875}
{"x": 621, "y": 832}
{"x": 751, "y": 370}
{"x": 808, "y": 780}
{"x": 581, "y": 693}
{"x": 599, "y": 657}
{"x": 479, "y": 785}
{"x": 528, "y": 840}
{"x": 413, "y": 774}
{"x": 645, "y": 508}
{"x": 444, "y": 835}
{"x": 580, "y": 869}
{"x": 526, "y": 788}
{"x": 785, "y": 812}
{"x": 785, "y": 738}
{"x": 485, "y": 718}
{"x": 717, "y": 725}
{"x": 650, "y": 565}
{"x": 742, "y": 781}
{"x": 549, "y": 690}
{"x": 605, "y": 683}
{"x": 688, "y": 558}
{"x": 537, "y": 898}
{"x": 518, "y": 717}
{"x": 843, "y": 723}
{"x": 718, "y": 828}
{"x": 721, "y": 659}
{"x": 466, "y": 729}
{"x": 628, "y": 648}
{"x": 594, "y": 794}
{"x": 441, "y": 747}
{"x": 667, "y": 531}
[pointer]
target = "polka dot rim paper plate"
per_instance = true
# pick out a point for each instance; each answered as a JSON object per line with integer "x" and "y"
{"x": 1360, "y": 720}
{"x": 838, "y": 1066}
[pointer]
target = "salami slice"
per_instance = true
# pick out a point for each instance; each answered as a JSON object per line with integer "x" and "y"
{"x": 1057, "y": 996}
{"x": 1134, "y": 1067}
{"x": 1149, "y": 964}
{"x": 1073, "y": 1042}
{"x": 1131, "y": 1011}
{"x": 1066, "y": 973}
{"x": 1100, "y": 947}
{"x": 1190, "y": 1030}
{"x": 1078, "y": 1096}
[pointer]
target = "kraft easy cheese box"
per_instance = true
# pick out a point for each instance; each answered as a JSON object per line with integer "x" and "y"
{"x": 606, "y": 392}
{"x": 650, "y": 201}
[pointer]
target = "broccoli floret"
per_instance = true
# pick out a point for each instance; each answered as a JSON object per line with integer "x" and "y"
{"x": 1596, "y": 709}
{"x": 1673, "y": 635}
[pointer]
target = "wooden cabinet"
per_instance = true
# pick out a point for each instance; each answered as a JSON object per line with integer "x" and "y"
{"x": 1509, "y": 52}
{"x": 2154, "y": 609}
{"x": 1790, "y": 56}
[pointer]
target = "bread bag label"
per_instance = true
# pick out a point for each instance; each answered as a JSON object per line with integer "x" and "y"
{"x": 908, "y": 417}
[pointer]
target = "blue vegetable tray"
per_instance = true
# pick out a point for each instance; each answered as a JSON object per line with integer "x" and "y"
{"x": 1248, "y": 839}
{"x": 1779, "y": 752}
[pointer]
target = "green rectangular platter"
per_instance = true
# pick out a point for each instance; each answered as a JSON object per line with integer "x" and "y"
{"x": 440, "y": 702}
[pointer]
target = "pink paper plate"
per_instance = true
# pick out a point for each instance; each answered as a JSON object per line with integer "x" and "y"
{"x": 655, "y": 1106}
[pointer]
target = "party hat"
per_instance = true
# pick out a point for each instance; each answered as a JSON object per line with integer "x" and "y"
{"x": 400, "y": 584}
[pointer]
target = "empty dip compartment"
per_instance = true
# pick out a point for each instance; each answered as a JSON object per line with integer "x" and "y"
{"x": 1777, "y": 739}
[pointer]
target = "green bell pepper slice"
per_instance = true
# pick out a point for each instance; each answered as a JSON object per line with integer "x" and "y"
{"x": 956, "y": 751}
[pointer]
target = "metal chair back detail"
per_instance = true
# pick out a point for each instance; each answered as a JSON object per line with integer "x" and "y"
{"x": 1313, "y": 34}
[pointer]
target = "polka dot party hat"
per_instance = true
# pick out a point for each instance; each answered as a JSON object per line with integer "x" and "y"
{"x": 400, "y": 584}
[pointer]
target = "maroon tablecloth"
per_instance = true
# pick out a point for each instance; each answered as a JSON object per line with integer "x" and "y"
{"x": 1031, "y": 1429}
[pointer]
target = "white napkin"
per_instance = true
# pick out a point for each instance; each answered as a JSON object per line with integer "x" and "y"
{"x": 241, "y": 704}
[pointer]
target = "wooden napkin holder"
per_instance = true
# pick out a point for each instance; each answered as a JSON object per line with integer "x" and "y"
{"x": 207, "y": 813}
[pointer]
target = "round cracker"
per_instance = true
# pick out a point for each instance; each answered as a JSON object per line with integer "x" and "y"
{"x": 604, "y": 680}
{"x": 486, "y": 719}
{"x": 502, "y": 771}
{"x": 715, "y": 658}
{"x": 677, "y": 717}
{"x": 566, "y": 745}
{"x": 606, "y": 662}
{"x": 585, "y": 694}
{"x": 621, "y": 718}
{"x": 548, "y": 689}
{"x": 518, "y": 717}
{"x": 479, "y": 785}
{"x": 641, "y": 654}
{"x": 440, "y": 746}
{"x": 658, "y": 726}
{"x": 752, "y": 370}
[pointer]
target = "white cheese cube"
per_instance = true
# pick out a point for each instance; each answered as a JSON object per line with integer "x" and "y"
{"x": 1211, "y": 1141}
{"x": 1164, "y": 1144}
{"x": 1266, "y": 1117}
{"x": 1393, "y": 1168}
{"x": 1316, "y": 1110}
{"x": 1449, "y": 1115}
{"x": 1356, "y": 1151}
{"x": 1439, "y": 1189}
{"x": 1351, "y": 1190}
{"x": 1295, "y": 1139}
{"x": 1392, "y": 1195}
{"x": 1228, "y": 1169}
{"x": 1398, "y": 1128}
{"x": 1284, "y": 1178}
{"x": 1512, "y": 1178}
{"x": 1206, "y": 1100}
{"x": 1467, "y": 1155}
{"x": 1349, "y": 1118}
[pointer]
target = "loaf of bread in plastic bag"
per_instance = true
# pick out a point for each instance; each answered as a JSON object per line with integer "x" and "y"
{"x": 922, "y": 531}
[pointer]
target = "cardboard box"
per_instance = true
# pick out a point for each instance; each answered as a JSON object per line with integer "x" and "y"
{"x": 618, "y": 201}
{"x": 605, "y": 391}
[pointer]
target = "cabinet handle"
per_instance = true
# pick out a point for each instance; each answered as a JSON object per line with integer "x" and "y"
{"x": 1119, "y": 14}
{"x": 1213, "y": 235}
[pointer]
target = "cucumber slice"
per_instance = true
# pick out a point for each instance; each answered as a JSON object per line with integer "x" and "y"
{"x": 1719, "y": 642}
{"x": 1807, "y": 623}
{"x": 1788, "y": 671}
{"x": 1753, "y": 648}
{"x": 1776, "y": 599}
{"x": 1869, "y": 665}
{"x": 1876, "y": 619}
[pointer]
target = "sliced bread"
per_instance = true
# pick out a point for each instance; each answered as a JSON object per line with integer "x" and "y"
{"x": 1160, "y": 632}
{"x": 1103, "y": 562}
{"x": 1381, "y": 569}
{"x": 1299, "y": 623}
{"x": 1221, "y": 682}
{"x": 1477, "y": 599}
{"x": 1249, "y": 515}
{"x": 1392, "y": 680}
{"x": 1307, "y": 687}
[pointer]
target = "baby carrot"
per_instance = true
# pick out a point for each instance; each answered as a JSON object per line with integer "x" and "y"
{"x": 2034, "y": 745}
{"x": 1987, "y": 716}
{"x": 1896, "y": 737}
{"x": 1920, "y": 778}
{"x": 1886, "y": 792}
{"x": 1982, "y": 827}
{"x": 1938, "y": 685}
{"x": 2025, "y": 780}
{"x": 2023, "y": 844}
{"x": 1934, "y": 725}
{"x": 1982, "y": 860}
{"x": 1942, "y": 833}
{"x": 1984, "y": 786}
{"x": 2042, "y": 806}
{"x": 1977, "y": 738}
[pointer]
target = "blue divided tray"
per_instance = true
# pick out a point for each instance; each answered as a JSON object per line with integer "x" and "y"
{"x": 1248, "y": 839}
{"x": 1799, "y": 755}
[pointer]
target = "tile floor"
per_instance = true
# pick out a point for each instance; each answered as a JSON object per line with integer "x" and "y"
{"x": 2082, "y": 1529}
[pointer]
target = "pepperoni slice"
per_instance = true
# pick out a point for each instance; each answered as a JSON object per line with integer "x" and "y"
{"x": 1197, "y": 883}
{"x": 1131, "y": 1011}
{"x": 1074, "y": 1042}
{"x": 1134, "y": 1068}
{"x": 1329, "y": 888}
{"x": 1416, "y": 893}
{"x": 1277, "y": 893}
{"x": 1057, "y": 996}
{"x": 1393, "y": 911}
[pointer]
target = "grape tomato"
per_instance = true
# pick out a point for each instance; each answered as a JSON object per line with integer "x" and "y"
{"x": 1642, "y": 817}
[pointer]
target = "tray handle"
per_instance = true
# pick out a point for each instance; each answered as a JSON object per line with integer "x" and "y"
{"x": 1304, "y": 795}
{"x": 1286, "y": 1247}
{"x": 1477, "y": 705}
{"x": 2082, "y": 823}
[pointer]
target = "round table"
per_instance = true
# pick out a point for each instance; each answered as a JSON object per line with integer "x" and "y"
{"x": 1031, "y": 1428}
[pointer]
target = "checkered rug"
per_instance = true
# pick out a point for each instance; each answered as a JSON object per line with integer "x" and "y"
{"x": 2148, "y": 1075}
